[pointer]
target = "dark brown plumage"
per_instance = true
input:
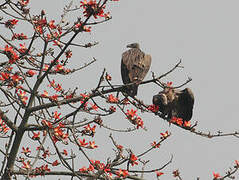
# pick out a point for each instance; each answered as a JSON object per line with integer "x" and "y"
{"x": 178, "y": 103}
{"x": 134, "y": 66}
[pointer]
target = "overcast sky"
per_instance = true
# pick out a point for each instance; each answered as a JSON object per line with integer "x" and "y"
{"x": 205, "y": 35}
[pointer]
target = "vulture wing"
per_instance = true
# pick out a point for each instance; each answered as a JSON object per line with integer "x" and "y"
{"x": 184, "y": 104}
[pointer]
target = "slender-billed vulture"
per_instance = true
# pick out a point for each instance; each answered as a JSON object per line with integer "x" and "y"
{"x": 178, "y": 103}
{"x": 134, "y": 66}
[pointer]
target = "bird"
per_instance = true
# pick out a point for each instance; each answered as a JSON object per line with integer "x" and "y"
{"x": 175, "y": 103}
{"x": 135, "y": 65}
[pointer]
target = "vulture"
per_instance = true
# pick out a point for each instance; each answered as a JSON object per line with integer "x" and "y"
{"x": 134, "y": 66}
{"x": 178, "y": 103}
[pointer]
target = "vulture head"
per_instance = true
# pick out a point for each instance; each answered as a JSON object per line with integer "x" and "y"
{"x": 178, "y": 103}
{"x": 133, "y": 45}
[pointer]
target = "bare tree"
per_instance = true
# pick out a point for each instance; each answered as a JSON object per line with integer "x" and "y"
{"x": 37, "y": 124}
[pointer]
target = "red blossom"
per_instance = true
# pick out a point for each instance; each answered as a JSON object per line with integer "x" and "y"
{"x": 68, "y": 54}
{"x": 26, "y": 165}
{"x": 122, "y": 173}
{"x": 158, "y": 173}
{"x": 176, "y": 120}
{"x": 82, "y": 142}
{"x": 19, "y": 36}
{"x": 112, "y": 99}
{"x": 65, "y": 152}
{"x": 36, "y": 136}
{"x": 155, "y": 145}
{"x": 92, "y": 145}
{"x": 112, "y": 109}
{"x": 30, "y": 73}
{"x": 91, "y": 168}
{"x": 154, "y": 108}
{"x": 55, "y": 163}
{"x": 108, "y": 77}
{"x": 22, "y": 48}
{"x": 187, "y": 124}
{"x": 56, "y": 115}
{"x": 131, "y": 114}
{"x": 133, "y": 160}
{"x": 11, "y": 54}
{"x": 165, "y": 135}
{"x": 45, "y": 94}
{"x": 11, "y": 23}
{"x": 23, "y": 2}
{"x": 25, "y": 151}
{"x": 83, "y": 169}
{"x": 51, "y": 24}
{"x": 216, "y": 175}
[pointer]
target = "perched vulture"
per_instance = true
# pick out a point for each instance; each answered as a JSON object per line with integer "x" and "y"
{"x": 178, "y": 103}
{"x": 134, "y": 66}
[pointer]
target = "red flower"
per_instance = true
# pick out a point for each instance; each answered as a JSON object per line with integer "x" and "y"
{"x": 55, "y": 163}
{"x": 83, "y": 169}
{"x": 91, "y": 168}
{"x": 68, "y": 54}
{"x": 216, "y": 175}
{"x": 92, "y": 145}
{"x": 165, "y": 135}
{"x": 187, "y": 124}
{"x": 31, "y": 73}
{"x": 158, "y": 173}
{"x": 131, "y": 113}
{"x": 108, "y": 77}
{"x": 112, "y": 109}
{"x": 11, "y": 54}
{"x": 11, "y": 23}
{"x": 169, "y": 84}
{"x": 122, "y": 173}
{"x": 25, "y": 151}
{"x": 176, "y": 120}
{"x": 112, "y": 99}
{"x": 51, "y": 24}
{"x": 22, "y": 48}
{"x": 56, "y": 115}
{"x": 19, "y": 36}
{"x": 26, "y": 165}
{"x": 36, "y": 136}
{"x": 65, "y": 152}
{"x": 133, "y": 160}
{"x": 82, "y": 142}
{"x": 23, "y": 2}
{"x": 155, "y": 145}
{"x": 153, "y": 108}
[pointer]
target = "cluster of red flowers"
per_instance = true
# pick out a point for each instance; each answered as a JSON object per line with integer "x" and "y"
{"x": 180, "y": 122}
{"x": 19, "y": 36}
{"x": 57, "y": 132}
{"x": 11, "y": 23}
{"x": 11, "y": 54}
{"x": 3, "y": 126}
{"x": 153, "y": 108}
{"x": 96, "y": 165}
{"x": 89, "y": 131}
{"x": 134, "y": 118}
{"x": 91, "y": 144}
{"x": 91, "y": 7}
{"x": 122, "y": 173}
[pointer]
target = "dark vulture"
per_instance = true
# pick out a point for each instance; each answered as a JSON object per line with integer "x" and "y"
{"x": 134, "y": 66}
{"x": 178, "y": 103}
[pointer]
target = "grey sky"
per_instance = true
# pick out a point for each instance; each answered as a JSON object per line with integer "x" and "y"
{"x": 205, "y": 35}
